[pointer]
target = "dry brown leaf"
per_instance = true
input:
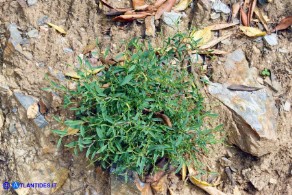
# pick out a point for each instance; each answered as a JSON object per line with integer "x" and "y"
{"x": 214, "y": 42}
{"x": 9, "y": 49}
{"x": 246, "y": 3}
{"x": 88, "y": 48}
{"x": 57, "y": 28}
{"x": 244, "y": 18}
{"x": 206, "y": 187}
{"x": 184, "y": 172}
{"x": 252, "y": 32}
{"x": 139, "y": 4}
{"x": 165, "y": 118}
{"x": 284, "y": 24}
{"x": 221, "y": 26}
{"x": 210, "y": 52}
{"x": 165, "y": 7}
{"x": 202, "y": 36}
{"x": 250, "y": 11}
{"x": 107, "y": 61}
{"x": 32, "y": 111}
{"x": 158, "y": 3}
{"x": 131, "y": 17}
{"x": 71, "y": 131}
{"x": 43, "y": 107}
{"x": 235, "y": 9}
{"x": 261, "y": 17}
{"x": 242, "y": 88}
{"x": 107, "y": 85}
{"x": 182, "y": 5}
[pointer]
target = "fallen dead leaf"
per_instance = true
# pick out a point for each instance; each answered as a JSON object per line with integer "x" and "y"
{"x": 43, "y": 108}
{"x": 139, "y": 4}
{"x": 235, "y": 9}
{"x": 210, "y": 52}
{"x": 252, "y": 32}
{"x": 57, "y": 28}
{"x": 9, "y": 49}
{"x": 206, "y": 186}
{"x": 131, "y": 17}
{"x": 74, "y": 75}
{"x": 261, "y": 17}
{"x": 32, "y": 111}
{"x": 184, "y": 172}
{"x": 158, "y": 3}
{"x": 284, "y": 24}
{"x": 202, "y": 36}
{"x": 250, "y": 11}
{"x": 108, "y": 61}
{"x": 165, "y": 7}
{"x": 88, "y": 48}
{"x": 244, "y": 18}
{"x": 221, "y": 26}
{"x": 242, "y": 88}
{"x": 71, "y": 131}
{"x": 182, "y": 5}
{"x": 214, "y": 42}
{"x": 165, "y": 118}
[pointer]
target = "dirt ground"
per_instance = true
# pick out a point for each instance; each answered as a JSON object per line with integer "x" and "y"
{"x": 28, "y": 153}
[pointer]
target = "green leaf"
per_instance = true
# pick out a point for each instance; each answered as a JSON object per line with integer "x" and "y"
{"x": 73, "y": 122}
{"x": 127, "y": 79}
{"x": 60, "y": 132}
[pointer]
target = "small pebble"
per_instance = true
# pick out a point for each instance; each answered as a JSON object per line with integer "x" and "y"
{"x": 67, "y": 50}
{"x": 33, "y": 33}
{"x": 287, "y": 106}
{"x": 31, "y": 2}
{"x": 42, "y": 20}
{"x": 271, "y": 39}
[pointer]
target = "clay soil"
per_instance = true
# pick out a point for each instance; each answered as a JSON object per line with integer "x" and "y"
{"x": 29, "y": 152}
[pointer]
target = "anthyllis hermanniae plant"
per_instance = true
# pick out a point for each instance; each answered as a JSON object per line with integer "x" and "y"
{"x": 138, "y": 111}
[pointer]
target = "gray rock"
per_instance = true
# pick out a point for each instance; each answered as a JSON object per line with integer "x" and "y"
{"x": 271, "y": 39}
{"x": 33, "y": 33}
{"x": 42, "y": 20}
{"x": 31, "y": 2}
{"x": 254, "y": 114}
{"x": 218, "y": 6}
{"x": 68, "y": 50}
{"x": 171, "y": 18}
{"x": 286, "y": 107}
{"x": 27, "y": 101}
{"x": 12, "y": 127}
{"x": 238, "y": 71}
{"x": 15, "y": 34}
{"x": 225, "y": 162}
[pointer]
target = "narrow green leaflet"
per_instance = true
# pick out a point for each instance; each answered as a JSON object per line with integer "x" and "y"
{"x": 127, "y": 79}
